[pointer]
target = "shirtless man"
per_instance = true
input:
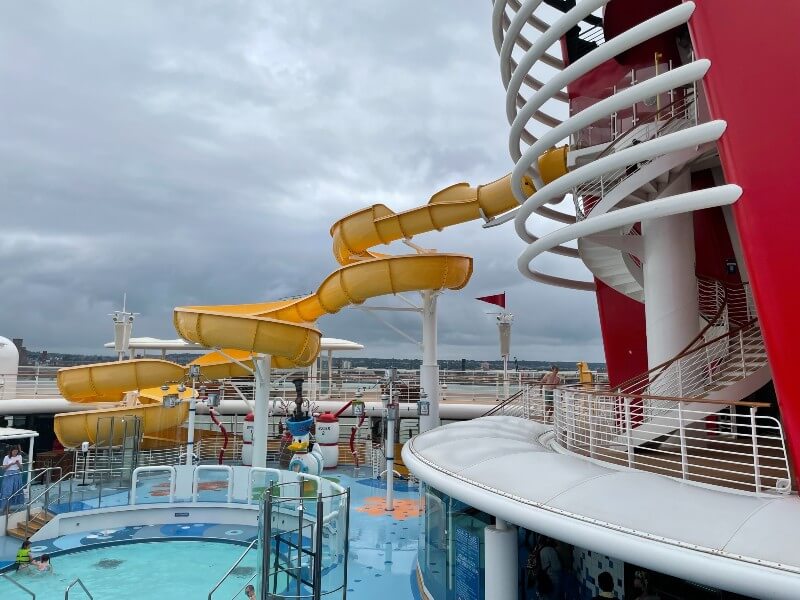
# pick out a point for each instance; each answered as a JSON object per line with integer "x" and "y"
{"x": 549, "y": 382}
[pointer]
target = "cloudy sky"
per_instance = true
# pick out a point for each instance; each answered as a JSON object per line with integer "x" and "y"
{"x": 198, "y": 152}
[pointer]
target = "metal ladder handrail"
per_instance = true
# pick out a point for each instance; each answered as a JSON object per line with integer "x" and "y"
{"x": 19, "y": 585}
{"x": 236, "y": 564}
{"x": 80, "y": 583}
{"x": 27, "y": 505}
{"x": 46, "y": 493}
{"x": 41, "y": 472}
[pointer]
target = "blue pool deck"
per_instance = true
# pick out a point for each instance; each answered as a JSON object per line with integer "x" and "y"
{"x": 383, "y": 545}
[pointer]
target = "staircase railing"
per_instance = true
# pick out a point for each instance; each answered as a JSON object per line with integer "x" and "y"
{"x": 43, "y": 476}
{"x": 680, "y": 115}
{"x": 511, "y": 405}
{"x": 729, "y": 445}
{"x": 73, "y": 584}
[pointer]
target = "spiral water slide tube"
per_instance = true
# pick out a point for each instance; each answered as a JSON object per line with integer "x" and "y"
{"x": 285, "y": 329}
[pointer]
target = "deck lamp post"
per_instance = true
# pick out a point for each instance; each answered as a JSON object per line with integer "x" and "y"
{"x": 84, "y": 452}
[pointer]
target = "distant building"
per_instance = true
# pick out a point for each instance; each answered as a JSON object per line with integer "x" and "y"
{"x": 23, "y": 352}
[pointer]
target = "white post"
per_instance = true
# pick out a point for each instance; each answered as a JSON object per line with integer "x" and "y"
{"x": 684, "y": 451}
{"x": 330, "y": 374}
{"x": 429, "y": 372}
{"x": 670, "y": 284}
{"x": 30, "y": 464}
{"x": 262, "y": 370}
{"x": 190, "y": 435}
{"x": 500, "y": 545}
{"x": 754, "y": 438}
{"x": 315, "y": 380}
{"x": 389, "y": 460}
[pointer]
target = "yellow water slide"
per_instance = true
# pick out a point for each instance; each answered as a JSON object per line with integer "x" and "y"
{"x": 285, "y": 329}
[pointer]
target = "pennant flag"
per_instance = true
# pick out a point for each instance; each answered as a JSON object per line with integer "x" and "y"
{"x": 496, "y": 299}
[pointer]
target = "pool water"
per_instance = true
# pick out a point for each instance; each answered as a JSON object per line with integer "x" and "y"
{"x": 170, "y": 569}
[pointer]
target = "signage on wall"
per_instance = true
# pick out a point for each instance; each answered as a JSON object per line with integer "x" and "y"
{"x": 731, "y": 268}
{"x": 468, "y": 565}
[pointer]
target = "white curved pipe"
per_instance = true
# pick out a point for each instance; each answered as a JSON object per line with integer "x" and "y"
{"x": 672, "y": 142}
{"x": 663, "y": 207}
{"x": 647, "y": 89}
{"x": 513, "y": 82}
{"x": 625, "y": 41}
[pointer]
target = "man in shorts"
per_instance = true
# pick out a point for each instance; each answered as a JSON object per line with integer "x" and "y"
{"x": 549, "y": 382}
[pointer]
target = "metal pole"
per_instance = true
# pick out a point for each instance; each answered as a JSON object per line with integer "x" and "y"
{"x": 30, "y": 465}
{"x": 299, "y": 573}
{"x": 318, "y": 550}
{"x": 429, "y": 371}
{"x": 330, "y": 373}
{"x": 190, "y": 434}
{"x": 628, "y": 426}
{"x": 262, "y": 370}
{"x": 684, "y": 453}
{"x": 753, "y": 433}
{"x": 266, "y": 528}
{"x": 346, "y": 541}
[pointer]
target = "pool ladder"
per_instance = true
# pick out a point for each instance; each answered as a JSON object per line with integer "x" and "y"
{"x": 19, "y": 585}
{"x": 71, "y": 585}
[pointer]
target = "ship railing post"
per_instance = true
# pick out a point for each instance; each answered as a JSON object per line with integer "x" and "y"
{"x": 684, "y": 453}
{"x": 628, "y": 427}
{"x": 591, "y": 416}
{"x": 754, "y": 438}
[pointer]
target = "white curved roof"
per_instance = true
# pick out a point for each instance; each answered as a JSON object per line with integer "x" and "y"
{"x": 733, "y": 541}
{"x": 151, "y": 343}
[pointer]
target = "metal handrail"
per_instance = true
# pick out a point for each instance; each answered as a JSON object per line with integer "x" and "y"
{"x": 22, "y": 490}
{"x": 236, "y": 564}
{"x": 503, "y": 404}
{"x": 19, "y": 585}
{"x": 80, "y": 583}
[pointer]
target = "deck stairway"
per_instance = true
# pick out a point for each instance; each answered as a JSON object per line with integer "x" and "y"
{"x": 26, "y": 529}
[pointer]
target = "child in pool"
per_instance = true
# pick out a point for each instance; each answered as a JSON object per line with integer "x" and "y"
{"x": 43, "y": 564}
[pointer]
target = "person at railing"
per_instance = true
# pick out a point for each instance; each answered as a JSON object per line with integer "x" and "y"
{"x": 12, "y": 477}
{"x": 550, "y": 380}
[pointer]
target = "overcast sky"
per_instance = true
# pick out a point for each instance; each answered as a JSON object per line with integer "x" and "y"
{"x": 198, "y": 152}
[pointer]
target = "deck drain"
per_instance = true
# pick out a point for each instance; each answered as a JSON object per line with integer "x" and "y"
{"x": 108, "y": 563}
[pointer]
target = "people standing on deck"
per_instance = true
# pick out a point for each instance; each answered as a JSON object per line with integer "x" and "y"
{"x": 549, "y": 382}
{"x": 12, "y": 477}
{"x": 548, "y": 570}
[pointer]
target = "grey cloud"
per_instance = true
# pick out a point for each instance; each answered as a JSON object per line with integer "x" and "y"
{"x": 198, "y": 152}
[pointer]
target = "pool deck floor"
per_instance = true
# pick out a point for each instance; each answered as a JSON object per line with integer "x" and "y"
{"x": 383, "y": 544}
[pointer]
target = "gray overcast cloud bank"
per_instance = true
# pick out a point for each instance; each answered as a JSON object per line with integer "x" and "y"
{"x": 198, "y": 152}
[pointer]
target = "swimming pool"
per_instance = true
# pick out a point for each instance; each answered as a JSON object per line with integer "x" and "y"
{"x": 169, "y": 569}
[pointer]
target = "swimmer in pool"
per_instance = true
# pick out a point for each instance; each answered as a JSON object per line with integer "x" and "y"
{"x": 43, "y": 564}
{"x": 250, "y": 592}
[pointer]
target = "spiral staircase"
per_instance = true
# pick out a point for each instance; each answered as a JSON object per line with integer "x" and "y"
{"x": 652, "y": 131}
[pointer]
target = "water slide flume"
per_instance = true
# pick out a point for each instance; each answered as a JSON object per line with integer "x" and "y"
{"x": 284, "y": 329}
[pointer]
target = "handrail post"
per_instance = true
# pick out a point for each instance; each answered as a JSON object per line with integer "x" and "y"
{"x": 741, "y": 349}
{"x": 628, "y": 427}
{"x": 754, "y": 438}
{"x": 317, "y": 579}
{"x": 684, "y": 453}
{"x": 591, "y": 425}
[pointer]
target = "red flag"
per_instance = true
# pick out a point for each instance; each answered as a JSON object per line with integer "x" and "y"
{"x": 496, "y": 299}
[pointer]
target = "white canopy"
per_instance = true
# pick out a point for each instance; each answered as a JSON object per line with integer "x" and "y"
{"x": 10, "y": 433}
